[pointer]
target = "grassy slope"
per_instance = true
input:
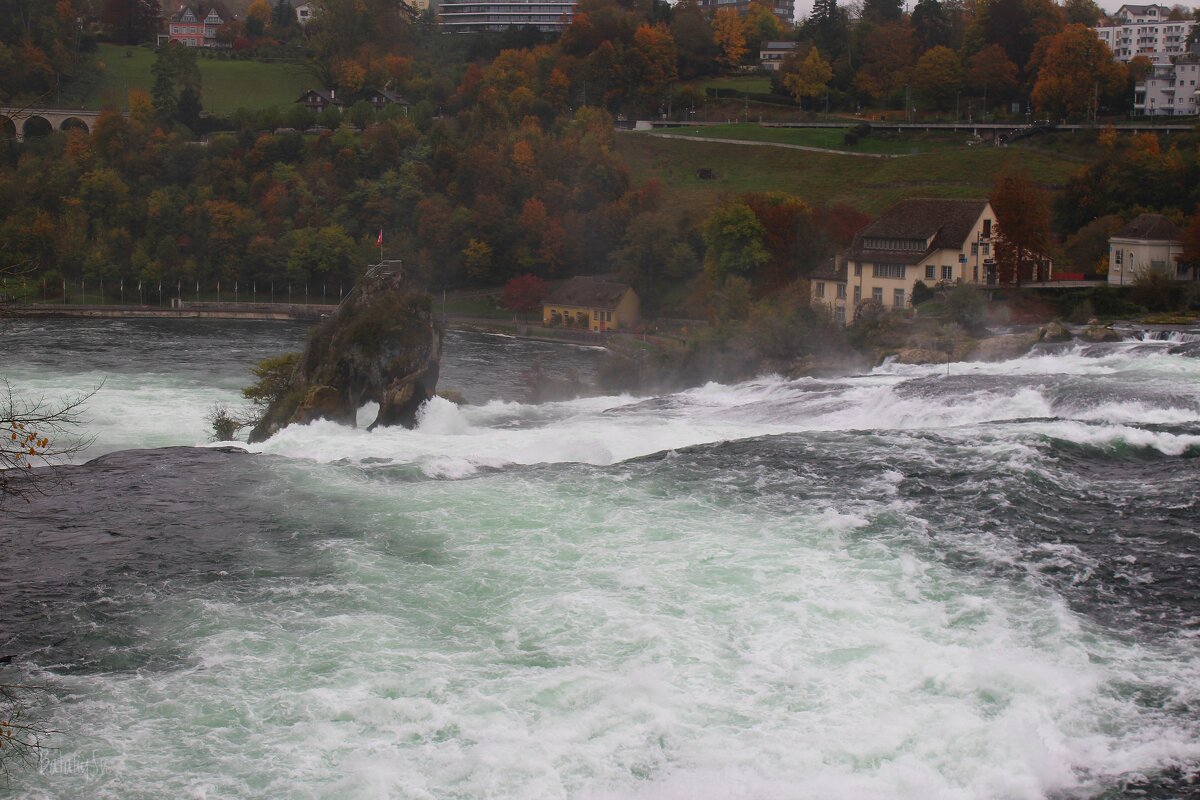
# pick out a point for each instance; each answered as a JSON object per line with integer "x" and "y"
{"x": 868, "y": 184}
{"x": 227, "y": 85}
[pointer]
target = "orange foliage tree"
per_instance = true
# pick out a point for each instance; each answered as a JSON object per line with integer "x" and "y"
{"x": 729, "y": 36}
{"x": 1077, "y": 69}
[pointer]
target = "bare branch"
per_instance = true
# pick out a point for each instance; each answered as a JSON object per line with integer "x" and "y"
{"x": 35, "y": 432}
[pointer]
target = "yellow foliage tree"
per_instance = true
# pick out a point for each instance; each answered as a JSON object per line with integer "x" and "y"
{"x": 807, "y": 78}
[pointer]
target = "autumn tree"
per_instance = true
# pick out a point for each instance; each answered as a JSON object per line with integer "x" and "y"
{"x": 1077, "y": 68}
{"x": 729, "y": 36}
{"x": 889, "y": 60}
{"x": 1023, "y": 223}
{"x": 781, "y": 216}
{"x": 760, "y": 24}
{"x": 807, "y": 77}
{"x": 938, "y": 77}
{"x": 523, "y": 294}
{"x": 991, "y": 72}
{"x": 653, "y": 64}
{"x": 1015, "y": 25}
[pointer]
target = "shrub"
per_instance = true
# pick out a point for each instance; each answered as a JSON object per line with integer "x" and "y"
{"x": 921, "y": 293}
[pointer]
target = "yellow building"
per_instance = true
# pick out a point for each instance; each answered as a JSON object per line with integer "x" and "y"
{"x": 591, "y": 304}
{"x": 1150, "y": 243}
{"x": 935, "y": 241}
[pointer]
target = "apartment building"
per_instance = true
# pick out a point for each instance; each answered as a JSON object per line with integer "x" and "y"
{"x": 1170, "y": 89}
{"x": 549, "y": 16}
{"x": 1145, "y": 31}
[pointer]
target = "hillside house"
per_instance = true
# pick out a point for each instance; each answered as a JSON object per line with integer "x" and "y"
{"x": 320, "y": 99}
{"x": 1149, "y": 243}
{"x": 198, "y": 26}
{"x": 304, "y": 13}
{"x": 592, "y": 304}
{"x": 772, "y": 54}
{"x": 380, "y": 99}
{"x": 935, "y": 241}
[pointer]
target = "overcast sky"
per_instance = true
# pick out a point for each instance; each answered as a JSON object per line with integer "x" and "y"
{"x": 804, "y": 7}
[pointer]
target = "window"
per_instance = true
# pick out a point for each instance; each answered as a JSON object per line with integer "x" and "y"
{"x": 889, "y": 271}
{"x": 857, "y": 269}
{"x": 898, "y": 298}
{"x": 974, "y": 248}
{"x": 820, "y": 288}
{"x": 929, "y": 272}
{"x": 987, "y": 228}
{"x": 839, "y": 313}
{"x": 857, "y": 295}
{"x": 987, "y": 248}
{"x": 877, "y": 295}
{"x": 841, "y": 291}
{"x": 947, "y": 273}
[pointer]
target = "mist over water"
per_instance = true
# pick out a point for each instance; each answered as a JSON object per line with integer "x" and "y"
{"x": 905, "y": 584}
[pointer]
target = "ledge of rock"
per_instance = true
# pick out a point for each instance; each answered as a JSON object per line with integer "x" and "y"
{"x": 382, "y": 345}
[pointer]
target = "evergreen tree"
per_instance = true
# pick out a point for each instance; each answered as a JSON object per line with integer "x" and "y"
{"x": 175, "y": 71}
{"x": 827, "y": 27}
{"x": 931, "y": 24}
{"x": 882, "y": 11}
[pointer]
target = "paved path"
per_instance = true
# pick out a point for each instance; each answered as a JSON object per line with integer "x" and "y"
{"x": 781, "y": 144}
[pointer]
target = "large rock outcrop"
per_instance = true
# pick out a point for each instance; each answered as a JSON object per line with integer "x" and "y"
{"x": 382, "y": 345}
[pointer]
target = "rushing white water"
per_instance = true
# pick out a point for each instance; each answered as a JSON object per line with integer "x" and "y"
{"x": 893, "y": 585}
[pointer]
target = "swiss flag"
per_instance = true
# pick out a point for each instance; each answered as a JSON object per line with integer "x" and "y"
{"x": 379, "y": 243}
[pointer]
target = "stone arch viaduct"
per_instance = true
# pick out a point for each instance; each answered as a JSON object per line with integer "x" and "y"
{"x": 16, "y": 121}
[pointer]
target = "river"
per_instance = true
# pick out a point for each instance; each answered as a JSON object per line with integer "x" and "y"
{"x": 921, "y": 582}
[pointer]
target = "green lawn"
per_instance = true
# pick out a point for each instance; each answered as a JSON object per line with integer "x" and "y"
{"x": 742, "y": 83}
{"x": 876, "y": 142}
{"x": 227, "y": 85}
{"x": 870, "y": 185}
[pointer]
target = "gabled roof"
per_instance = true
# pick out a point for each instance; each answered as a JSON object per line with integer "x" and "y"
{"x": 1150, "y": 228}
{"x": 1143, "y": 9}
{"x": 323, "y": 94}
{"x": 830, "y": 270}
{"x": 945, "y": 224}
{"x": 390, "y": 96}
{"x": 779, "y": 45}
{"x": 584, "y": 291}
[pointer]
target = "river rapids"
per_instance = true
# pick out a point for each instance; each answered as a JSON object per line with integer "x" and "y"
{"x": 978, "y": 581}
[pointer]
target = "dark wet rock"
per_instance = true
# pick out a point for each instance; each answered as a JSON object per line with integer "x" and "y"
{"x": 1054, "y": 332}
{"x": 1099, "y": 333}
{"x": 1002, "y": 348}
{"x": 381, "y": 345}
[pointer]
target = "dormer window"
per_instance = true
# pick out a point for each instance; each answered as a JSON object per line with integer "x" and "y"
{"x": 915, "y": 245}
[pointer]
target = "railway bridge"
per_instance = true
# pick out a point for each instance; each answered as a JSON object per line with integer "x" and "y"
{"x": 22, "y": 122}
